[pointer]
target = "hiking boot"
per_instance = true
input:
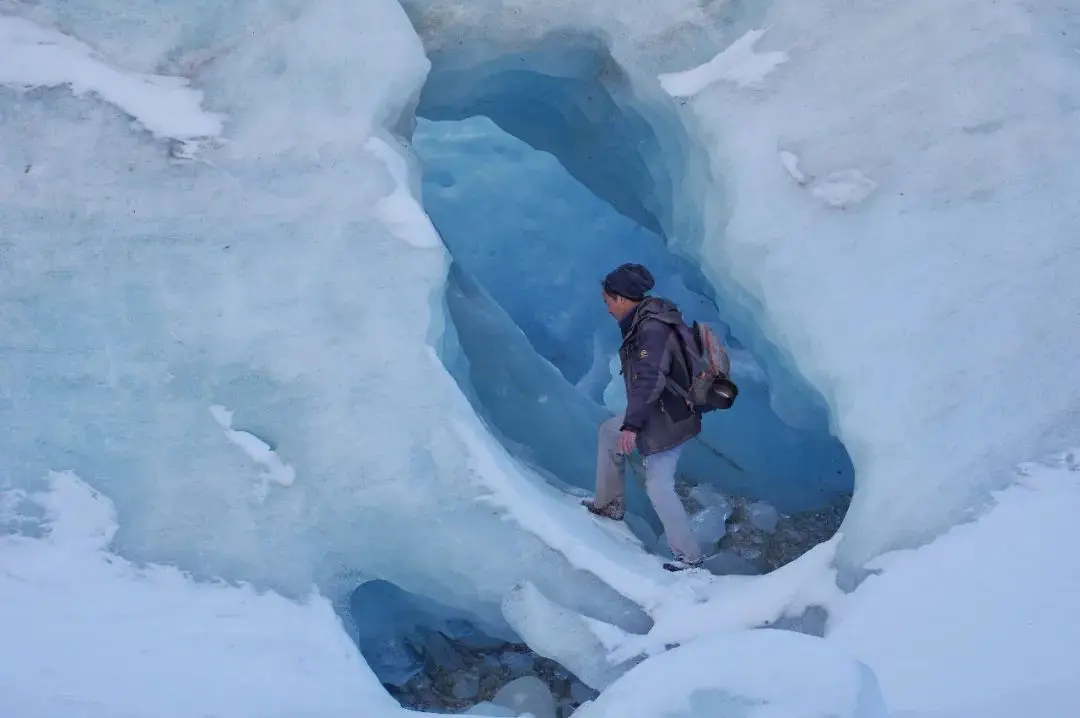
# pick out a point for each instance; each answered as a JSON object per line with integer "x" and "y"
{"x": 681, "y": 564}
{"x": 613, "y": 510}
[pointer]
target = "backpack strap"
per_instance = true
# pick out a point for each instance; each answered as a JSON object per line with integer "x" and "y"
{"x": 680, "y": 330}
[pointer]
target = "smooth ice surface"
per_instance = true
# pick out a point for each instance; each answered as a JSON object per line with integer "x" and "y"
{"x": 749, "y": 674}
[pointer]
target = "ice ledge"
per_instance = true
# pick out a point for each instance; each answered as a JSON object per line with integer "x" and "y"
{"x": 683, "y": 607}
{"x": 32, "y": 56}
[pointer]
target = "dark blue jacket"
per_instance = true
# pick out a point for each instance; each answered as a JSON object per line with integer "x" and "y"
{"x": 651, "y": 356}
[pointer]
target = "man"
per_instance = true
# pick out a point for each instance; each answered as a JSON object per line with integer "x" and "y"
{"x": 657, "y": 422}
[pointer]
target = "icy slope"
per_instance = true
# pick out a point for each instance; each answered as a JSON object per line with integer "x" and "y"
{"x": 910, "y": 227}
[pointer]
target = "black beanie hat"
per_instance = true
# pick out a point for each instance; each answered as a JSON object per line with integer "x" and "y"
{"x": 632, "y": 281}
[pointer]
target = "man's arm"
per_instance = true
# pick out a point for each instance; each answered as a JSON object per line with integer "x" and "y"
{"x": 648, "y": 366}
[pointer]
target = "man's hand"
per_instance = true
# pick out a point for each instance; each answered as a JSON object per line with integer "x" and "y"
{"x": 627, "y": 441}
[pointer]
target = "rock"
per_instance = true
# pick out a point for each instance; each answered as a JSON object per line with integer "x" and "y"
{"x": 466, "y": 686}
{"x": 393, "y": 661}
{"x": 708, "y": 497}
{"x": 465, "y": 633}
{"x": 439, "y": 651}
{"x": 763, "y": 516}
{"x": 709, "y": 526}
{"x": 726, "y": 563}
{"x": 517, "y": 663}
{"x": 527, "y": 695}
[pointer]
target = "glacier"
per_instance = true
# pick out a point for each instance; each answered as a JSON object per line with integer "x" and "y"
{"x": 257, "y": 350}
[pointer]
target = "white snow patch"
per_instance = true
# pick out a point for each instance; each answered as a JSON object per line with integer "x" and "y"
{"x": 840, "y": 189}
{"x": 843, "y": 189}
{"x": 274, "y": 469}
{"x": 86, "y": 633}
{"x": 752, "y": 674}
{"x": 983, "y": 621}
{"x": 790, "y": 161}
{"x": 33, "y": 56}
{"x": 737, "y": 64}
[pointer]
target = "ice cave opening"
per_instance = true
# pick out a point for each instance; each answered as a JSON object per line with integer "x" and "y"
{"x": 544, "y": 166}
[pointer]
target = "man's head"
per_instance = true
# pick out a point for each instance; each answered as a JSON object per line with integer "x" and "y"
{"x": 625, "y": 287}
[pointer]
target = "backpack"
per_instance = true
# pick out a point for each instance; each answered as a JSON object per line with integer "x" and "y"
{"x": 711, "y": 387}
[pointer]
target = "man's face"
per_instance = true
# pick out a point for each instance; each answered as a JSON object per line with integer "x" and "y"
{"x": 616, "y": 306}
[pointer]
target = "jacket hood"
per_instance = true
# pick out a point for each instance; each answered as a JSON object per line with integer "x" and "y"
{"x": 651, "y": 308}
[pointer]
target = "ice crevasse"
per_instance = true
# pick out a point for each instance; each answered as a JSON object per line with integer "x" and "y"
{"x": 235, "y": 380}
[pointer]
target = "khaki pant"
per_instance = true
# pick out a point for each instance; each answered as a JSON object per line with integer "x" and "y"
{"x": 659, "y": 485}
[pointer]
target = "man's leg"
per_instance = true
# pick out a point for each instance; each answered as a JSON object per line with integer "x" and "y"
{"x": 610, "y": 471}
{"x": 660, "y": 486}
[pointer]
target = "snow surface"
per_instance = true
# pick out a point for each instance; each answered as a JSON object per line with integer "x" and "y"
{"x": 33, "y": 56}
{"x": 737, "y": 64}
{"x": 87, "y": 633}
{"x": 892, "y": 205}
{"x": 943, "y": 629}
{"x": 755, "y": 674}
{"x": 274, "y": 469}
{"x": 997, "y": 630}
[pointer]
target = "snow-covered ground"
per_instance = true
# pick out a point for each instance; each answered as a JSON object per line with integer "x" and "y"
{"x": 87, "y": 633}
{"x": 977, "y": 623}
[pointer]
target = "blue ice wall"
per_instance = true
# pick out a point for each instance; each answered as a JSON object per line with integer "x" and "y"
{"x": 538, "y": 240}
{"x": 534, "y": 225}
{"x": 524, "y": 399}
